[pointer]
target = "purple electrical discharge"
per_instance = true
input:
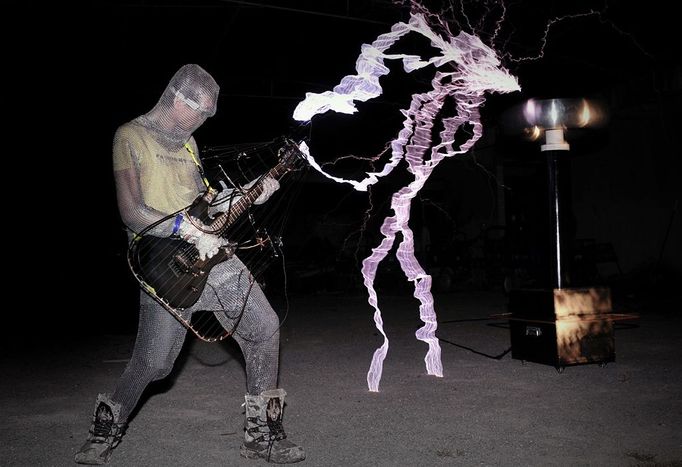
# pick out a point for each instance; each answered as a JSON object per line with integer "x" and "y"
{"x": 477, "y": 70}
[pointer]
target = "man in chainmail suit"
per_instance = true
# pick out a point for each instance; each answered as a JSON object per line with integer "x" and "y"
{"x": 157, "y": 173}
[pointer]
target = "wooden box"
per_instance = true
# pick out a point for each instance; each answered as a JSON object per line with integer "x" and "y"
{"x": 562, "y": 327}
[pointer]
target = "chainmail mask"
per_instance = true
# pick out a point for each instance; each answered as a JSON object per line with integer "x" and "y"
{"x": 189, "y": 99}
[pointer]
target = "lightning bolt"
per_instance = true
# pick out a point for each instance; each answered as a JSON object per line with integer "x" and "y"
{"x": 477, "y": 70}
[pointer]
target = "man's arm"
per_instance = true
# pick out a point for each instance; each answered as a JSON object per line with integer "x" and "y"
{"x": 135, "y": 213}
{"x": 229, "y": 196}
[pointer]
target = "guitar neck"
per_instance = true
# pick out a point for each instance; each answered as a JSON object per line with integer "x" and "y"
{"x": 227, "y": 218}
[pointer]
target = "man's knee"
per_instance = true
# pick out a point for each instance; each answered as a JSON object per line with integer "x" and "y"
{"x": 269, "y": 325}
{"x": 152, "y": 369}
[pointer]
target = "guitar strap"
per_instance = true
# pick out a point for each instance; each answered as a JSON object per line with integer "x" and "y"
{"x": 196, "y": 162}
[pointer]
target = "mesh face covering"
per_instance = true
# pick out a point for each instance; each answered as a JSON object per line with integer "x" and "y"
{"x": 155, "y": 174}
{"x": 189, "y": 99}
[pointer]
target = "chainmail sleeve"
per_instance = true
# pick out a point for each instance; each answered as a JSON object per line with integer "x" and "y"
{"x": 134, "y": 213}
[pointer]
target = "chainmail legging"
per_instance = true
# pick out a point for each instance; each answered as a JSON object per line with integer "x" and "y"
{"x": 160, "y": 336}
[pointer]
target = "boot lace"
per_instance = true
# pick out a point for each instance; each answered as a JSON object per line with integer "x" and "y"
{"x": 270, "y": 431}
{"x": 104, "y": 430}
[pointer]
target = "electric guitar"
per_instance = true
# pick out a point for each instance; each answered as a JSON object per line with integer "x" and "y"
{"x": 171, "y": 267}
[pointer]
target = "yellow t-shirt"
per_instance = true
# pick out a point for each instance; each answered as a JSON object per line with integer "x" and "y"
{"x": 168, "y": 180}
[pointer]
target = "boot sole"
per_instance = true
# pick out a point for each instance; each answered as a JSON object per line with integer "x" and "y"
{"x": 89, "y": 460}
{"x": 249, "y": 454}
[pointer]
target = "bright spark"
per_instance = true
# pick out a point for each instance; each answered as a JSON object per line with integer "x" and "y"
{"x": 477, "y": 70}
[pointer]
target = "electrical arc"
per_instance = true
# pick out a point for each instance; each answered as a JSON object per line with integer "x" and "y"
{"x": 466, "y": 69}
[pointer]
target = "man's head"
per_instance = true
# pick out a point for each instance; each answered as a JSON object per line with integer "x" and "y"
{"x": 189, "y": 113}
{"x": 192, "y": 85}
{"x": 189, "y": 99}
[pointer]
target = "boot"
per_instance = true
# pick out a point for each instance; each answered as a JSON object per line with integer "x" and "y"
{"x": 106, "y": 432}
{"x": 264, "y": 435}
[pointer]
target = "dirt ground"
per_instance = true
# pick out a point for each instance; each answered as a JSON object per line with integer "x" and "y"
{"x": 484, "y": 411}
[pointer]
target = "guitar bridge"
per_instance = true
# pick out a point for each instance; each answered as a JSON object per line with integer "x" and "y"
{"x": 183, "y": 262}
{"x": 176, "y": 267}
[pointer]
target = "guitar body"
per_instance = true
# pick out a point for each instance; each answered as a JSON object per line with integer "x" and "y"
{"x": 173, "y": 268}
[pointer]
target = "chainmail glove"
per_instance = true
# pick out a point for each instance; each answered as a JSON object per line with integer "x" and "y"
{"x": 270, "y": 185}
{"x": 208, "y": 244}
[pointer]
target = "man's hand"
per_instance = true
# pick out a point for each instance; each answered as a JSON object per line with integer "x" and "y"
{"x": 269, "y": 184}
{"x": 196, "y": 233}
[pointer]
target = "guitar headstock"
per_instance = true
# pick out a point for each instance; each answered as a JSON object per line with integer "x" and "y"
{"x": 290, "y": 155}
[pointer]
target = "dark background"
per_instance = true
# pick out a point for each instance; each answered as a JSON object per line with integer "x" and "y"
{"x": 75, "y": 73}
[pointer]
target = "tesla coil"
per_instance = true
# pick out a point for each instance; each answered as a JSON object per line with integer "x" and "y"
{"x": 561, "y": 325}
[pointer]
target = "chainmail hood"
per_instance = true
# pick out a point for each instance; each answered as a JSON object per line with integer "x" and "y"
{"x": 189, "y": 99}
